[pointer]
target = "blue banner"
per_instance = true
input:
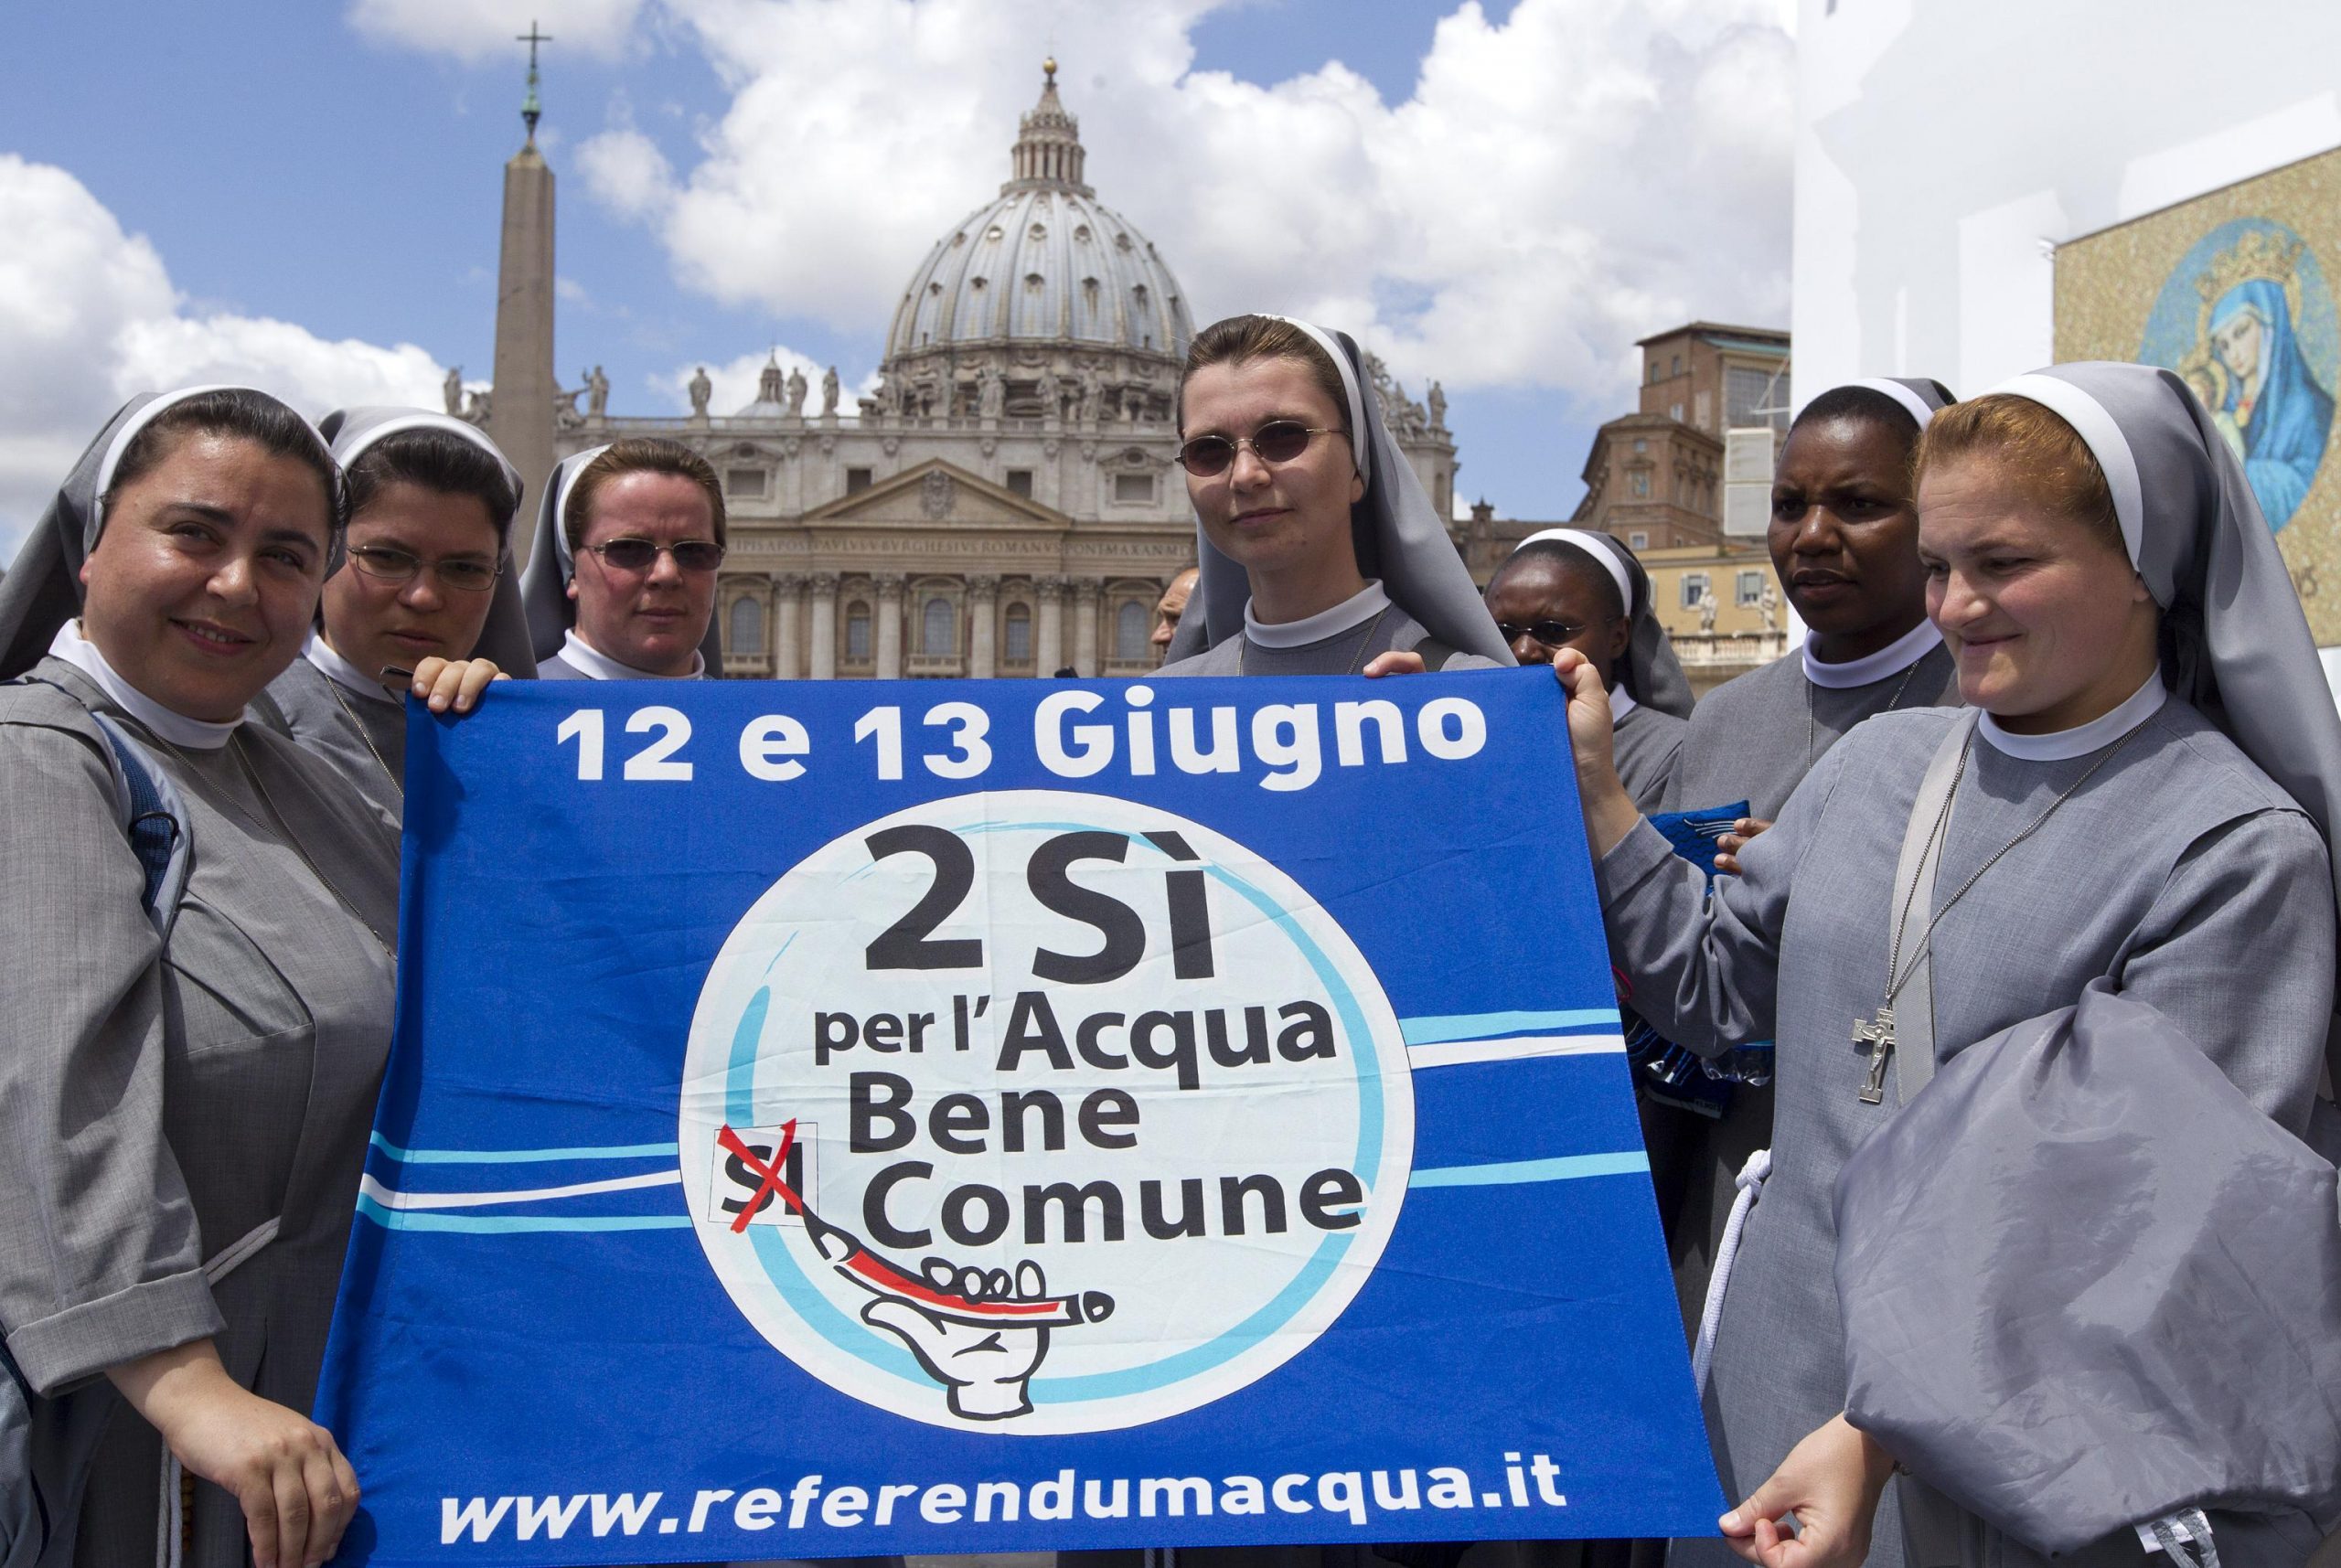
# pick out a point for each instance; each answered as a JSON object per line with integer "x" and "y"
{"x": 842, "y": 1118}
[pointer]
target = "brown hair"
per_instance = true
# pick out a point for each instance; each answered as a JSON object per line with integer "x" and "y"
{"x": 242, "y": 414}
{"x": 639, "y": 454}
{"x": 2033, "y": 447}
{"x": 1241, "y": 338}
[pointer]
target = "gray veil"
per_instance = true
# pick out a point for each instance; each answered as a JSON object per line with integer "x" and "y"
{"x": 1400, "y": 538}
{"x": 43, "y": 589}
{"x": 1652, "y": 675}
{"x": 544, "y": 584}
{"x": 503, "y": 639}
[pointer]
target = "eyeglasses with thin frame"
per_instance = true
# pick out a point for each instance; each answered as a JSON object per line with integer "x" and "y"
{"x": 641, "y": 555}
{"x": 1278, "y": 440}
{"x": 386, "y": 563}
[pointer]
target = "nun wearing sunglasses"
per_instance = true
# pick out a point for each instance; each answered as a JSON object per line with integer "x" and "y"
{"x": 1319, "y": 552}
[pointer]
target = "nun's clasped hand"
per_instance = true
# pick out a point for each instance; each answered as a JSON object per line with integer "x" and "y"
{"x": 454, "y": 685}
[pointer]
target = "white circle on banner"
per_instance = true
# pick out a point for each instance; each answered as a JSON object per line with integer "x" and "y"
{"x": 1085, "y": 1141}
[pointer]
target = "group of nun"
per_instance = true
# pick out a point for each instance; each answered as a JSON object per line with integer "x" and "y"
{"x": 2046, "y": 803}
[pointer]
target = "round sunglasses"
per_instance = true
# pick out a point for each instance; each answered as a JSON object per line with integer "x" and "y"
{"x": 1278, "y": 440}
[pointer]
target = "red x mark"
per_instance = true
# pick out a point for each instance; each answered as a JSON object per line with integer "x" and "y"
{"x": 772, "y": 1179}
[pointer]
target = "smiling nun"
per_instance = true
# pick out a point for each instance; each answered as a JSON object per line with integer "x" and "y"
{"x": 2139, "y": 802}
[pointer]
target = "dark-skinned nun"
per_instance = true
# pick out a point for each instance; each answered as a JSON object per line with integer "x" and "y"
{"x": 1571, "y": 588}
{"x": 1319, "y": 552}
{"x": 427, "y": 572}
{"x": 2135, "y": 814}
{"x": 201, "y": 918}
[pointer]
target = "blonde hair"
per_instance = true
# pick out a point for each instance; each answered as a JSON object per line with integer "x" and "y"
{"x": 2031, "y": 446}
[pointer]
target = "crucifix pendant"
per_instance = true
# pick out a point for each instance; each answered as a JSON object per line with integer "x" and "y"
{"x": 1876, "y": 1035}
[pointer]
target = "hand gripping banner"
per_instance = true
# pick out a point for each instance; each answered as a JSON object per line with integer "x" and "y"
{"x": 846, "y": 1118}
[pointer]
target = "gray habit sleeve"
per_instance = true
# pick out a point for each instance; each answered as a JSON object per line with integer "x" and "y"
{"x": 100, "y": 1254}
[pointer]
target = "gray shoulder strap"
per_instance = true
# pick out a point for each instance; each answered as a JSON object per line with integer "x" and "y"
{"x": 1914, "y": 1008}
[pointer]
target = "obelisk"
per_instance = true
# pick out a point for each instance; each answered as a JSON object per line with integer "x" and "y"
{"x": 520, "y": 404}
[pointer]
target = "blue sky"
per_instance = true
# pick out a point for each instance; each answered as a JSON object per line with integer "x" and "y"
{"x": 287, "y": 164}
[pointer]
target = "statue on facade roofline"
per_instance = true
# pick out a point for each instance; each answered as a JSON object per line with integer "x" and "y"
{"x": 798, "y": 386}
{"x": 701, "y": 389}
{"x": 829, "y": 392}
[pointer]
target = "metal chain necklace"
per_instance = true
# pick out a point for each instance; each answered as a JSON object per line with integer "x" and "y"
{"x": 1875, "y": 1034}
{"x": 1812, "y": 725}
{"x": 1244, "y": 651}
{"x": 284, "y": 828}
{"x": 365, "y": 735}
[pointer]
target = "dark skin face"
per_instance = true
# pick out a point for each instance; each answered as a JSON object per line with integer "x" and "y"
{"x": 1845, "y": 536}
{"x": 1581, "y": 598}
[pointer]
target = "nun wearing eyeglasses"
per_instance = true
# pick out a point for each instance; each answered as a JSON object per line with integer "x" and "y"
{"x": 1319, "y": 553}
{"x": 197, "y": 1022}
{"x": 426, "y": 574}
{"x": 620, "y": 584}
{"x": 2135, "y": 813}
{"x": 1566, "y": 588}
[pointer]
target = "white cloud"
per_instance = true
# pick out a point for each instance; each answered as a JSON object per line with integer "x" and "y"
{"x": 475, "y": 30}
{"x": 1587, "y": 173}
{"x": 87, "y": 317}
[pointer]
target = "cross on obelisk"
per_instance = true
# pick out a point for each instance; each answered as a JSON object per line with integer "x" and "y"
{"x": 530, "y": 110}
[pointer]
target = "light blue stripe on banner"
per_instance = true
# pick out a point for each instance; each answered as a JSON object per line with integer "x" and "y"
{"x": 1484, "y": 1026}
{"x": 522, "y": 1155}
{"x": 1568, "y": 1167}
{"x": 495, "y": 1224}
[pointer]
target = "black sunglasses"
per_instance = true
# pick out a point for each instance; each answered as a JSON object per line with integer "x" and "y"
{"x": 1551, "y": 633}
{"x": 640, "y": 555}
{"x": 1278, "y": 440}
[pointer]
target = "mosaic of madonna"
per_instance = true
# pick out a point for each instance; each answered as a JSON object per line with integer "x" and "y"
{"x": 2232, "y": 291}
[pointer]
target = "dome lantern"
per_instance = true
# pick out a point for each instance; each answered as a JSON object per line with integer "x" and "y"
{"x": 1048, "y": 151}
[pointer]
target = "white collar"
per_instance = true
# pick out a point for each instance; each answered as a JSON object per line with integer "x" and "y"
{"x": 2062, "y": 746}
{"x": 1350, "y": 613}
{"x": 170, "y": 725}
{"x": 1869, "y": 669}
{"x": 598, "y": 666}
{"x": 341, "y": 672}
{"x": 1621, "y": 702}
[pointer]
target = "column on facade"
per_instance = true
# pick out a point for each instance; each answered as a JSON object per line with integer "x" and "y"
{"x": 787, "y": 598}
{"x": 824, "y": 660}
{"x": 983, "y": 617}
{"x": 890, "y": 625}
{"x": 1084, "y": 629}
{"x": 1049, "y": 649}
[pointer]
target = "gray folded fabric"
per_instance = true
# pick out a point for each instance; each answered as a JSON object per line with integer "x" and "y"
{"x": 2085, "y": 1283}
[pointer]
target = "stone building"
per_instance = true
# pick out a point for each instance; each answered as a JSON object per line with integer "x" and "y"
{"x": 1005, "y": 503}
{"x": 1666, "y": 478}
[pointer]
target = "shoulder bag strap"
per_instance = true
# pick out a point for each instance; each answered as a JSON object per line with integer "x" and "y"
{"x": 1914, "y": 1006}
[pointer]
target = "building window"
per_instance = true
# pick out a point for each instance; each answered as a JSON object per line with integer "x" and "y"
{"x": 938, "y": 628}
{"x": 1678, "y": 365}
{"x": 855, "y": 480}
{"x": 1641, "y": 446}
{"x": 1020, "y": 634}
{"x": 747, "y": 627}
{"x": 1749, "y": 589}
{"x": 1653, "y": 373}
{"x": 1130, "y": 630}
{"x": 1695, "y": 587}
{"x": 748, "y": 482}
{"x": 1637, "y": 481}
{"x": 1638, "y": 539}
{"x": 1753, "y": 397}
{"x": 1134, "y": 487}
{"x": 1674, "y": 412}
{"x": 1019, "y": 483}
{"x": 857, "y": 633}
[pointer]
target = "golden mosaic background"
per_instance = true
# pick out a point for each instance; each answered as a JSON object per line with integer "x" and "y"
{"x": 2107, "y": 285}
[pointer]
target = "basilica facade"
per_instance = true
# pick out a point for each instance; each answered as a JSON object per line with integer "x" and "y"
{"x": 1006, "y": 503}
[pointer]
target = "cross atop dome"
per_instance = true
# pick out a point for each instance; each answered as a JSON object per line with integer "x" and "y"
{"x": 1048, "y": 151}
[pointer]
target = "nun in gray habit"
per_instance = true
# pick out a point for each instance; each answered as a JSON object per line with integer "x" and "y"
{"x": 551, "y": 613}
{"x": 2173, "y": 854}
{"x": 1417, "y": 597}
{"x": 1649, "y": 698}
{"x": 342, "y": 712}
{"x": 189, "y": 1108}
